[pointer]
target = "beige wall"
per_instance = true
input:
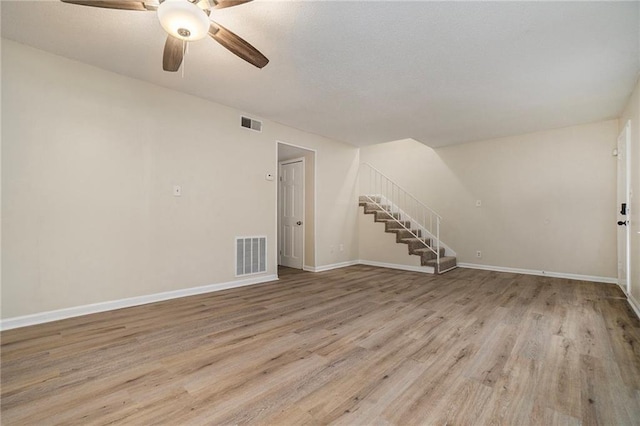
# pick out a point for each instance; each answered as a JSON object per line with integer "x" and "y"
{"x": 88, "y": 164}
{"x": 632, "y": 113}
{"x": 548, "y": 198}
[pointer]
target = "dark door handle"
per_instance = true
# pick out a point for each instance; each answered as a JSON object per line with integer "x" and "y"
{"x": 622, "y": 223}
{"x": 298, "y": 223}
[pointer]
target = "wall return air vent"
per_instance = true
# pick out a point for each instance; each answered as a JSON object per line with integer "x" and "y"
{"x": 251, "y": 255}
{"x": 250, "y": 123}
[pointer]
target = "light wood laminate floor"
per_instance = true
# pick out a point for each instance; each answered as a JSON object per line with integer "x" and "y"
{"x": 359, "y": 345}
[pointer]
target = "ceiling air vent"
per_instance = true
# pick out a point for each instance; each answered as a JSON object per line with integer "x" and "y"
{"x": 249, "y": 123}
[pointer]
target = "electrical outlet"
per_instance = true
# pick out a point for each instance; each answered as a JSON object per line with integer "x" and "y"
{"x": 478, "y": 254}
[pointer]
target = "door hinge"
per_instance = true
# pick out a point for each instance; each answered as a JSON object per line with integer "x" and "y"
{"x": 280, "y": 252}
{"x": 280, "y": 178}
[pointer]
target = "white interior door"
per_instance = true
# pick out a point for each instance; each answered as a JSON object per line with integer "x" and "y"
{"x": 624, "y": 271}
{"x": 291, "y": 208}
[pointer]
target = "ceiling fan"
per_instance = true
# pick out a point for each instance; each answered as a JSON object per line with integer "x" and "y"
{"x": 186, "y": 21}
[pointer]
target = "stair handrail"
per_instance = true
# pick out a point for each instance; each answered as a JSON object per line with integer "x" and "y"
{"x": 402, "y": 189}
{"x": 401, "y": 193}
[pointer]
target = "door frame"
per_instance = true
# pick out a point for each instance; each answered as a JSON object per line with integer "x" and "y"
{"x": 279, "y": 198}
{"x": 626, "y": 134}
{"x": 314, "y": 229}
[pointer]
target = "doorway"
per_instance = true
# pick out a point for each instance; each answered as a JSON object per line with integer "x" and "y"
{"x": 291, "y": 212}
{"x": 624, "y": 266}
{"x": 296, "y": 206}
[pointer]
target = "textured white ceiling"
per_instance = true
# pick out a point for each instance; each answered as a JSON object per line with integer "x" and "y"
{"x": 366, "y": 72}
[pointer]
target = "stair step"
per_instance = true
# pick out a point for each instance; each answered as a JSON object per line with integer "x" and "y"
{"x": 446, "y": 262}
{"x": 392, "y": 225}
{"x": 406, "y": 233}
{"x": 427, "y": 250}
{"x": 368, "y": 199}
{"x": 412, "y": 239}
{"x": 402, "y": 233}
{"x": 415, "y": 243}
{"x": 381, "y": 216}
{"x": 428, "y": 254}
{"x": 372, "y": 208}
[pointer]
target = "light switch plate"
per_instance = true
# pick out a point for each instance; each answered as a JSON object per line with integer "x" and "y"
{"x": 177, "y": 190}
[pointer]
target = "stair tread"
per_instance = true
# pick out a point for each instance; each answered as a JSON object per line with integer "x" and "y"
{"x": 378, "y": 206}
{"x": 442, "y": 260}
{"x": 425, "y": 250}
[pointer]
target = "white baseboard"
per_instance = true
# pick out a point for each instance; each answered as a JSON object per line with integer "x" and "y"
{"x": 330, "y": 267}
{"x": 592, "y": 278}
{"x": 39, "y": 318}
{"x": 423, "y": 269}
{"x": 634, "y": 304}
{"x": 430, "y": 270}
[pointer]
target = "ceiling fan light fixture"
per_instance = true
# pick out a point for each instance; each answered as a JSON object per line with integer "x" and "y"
{"x": 183, "y": 19}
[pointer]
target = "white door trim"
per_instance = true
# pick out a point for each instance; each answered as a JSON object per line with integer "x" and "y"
{"x": 626, "y": 135}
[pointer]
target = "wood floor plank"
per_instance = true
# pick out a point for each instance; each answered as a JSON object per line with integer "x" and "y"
{"x": 354, "y": 346}
{"x": 513, "y": 398}
{"x": 559, "y": 391}
{"x": 486, "y": 367}
{"x": 623, "y": 333}
{"x": 414, "y": 404}
{"x": 466, "y": 399}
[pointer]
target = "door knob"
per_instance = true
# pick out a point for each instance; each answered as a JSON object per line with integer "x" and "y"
{"x": 299, "y": 223}
{"x": 622, "y": 222}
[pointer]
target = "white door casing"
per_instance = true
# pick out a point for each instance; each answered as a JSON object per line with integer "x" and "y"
{"x": 623, "y": 187}
{"x": 291, "y": 213}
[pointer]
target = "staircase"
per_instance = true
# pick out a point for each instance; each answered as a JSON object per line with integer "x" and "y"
{"x": 414, "y": 224}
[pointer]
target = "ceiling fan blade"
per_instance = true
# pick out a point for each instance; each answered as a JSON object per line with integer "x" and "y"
{"x": 173, "y": 54}
{"x": 116, "y": 4}
{"x": 221, "y": 4}
{"x": 236, "y": 45}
